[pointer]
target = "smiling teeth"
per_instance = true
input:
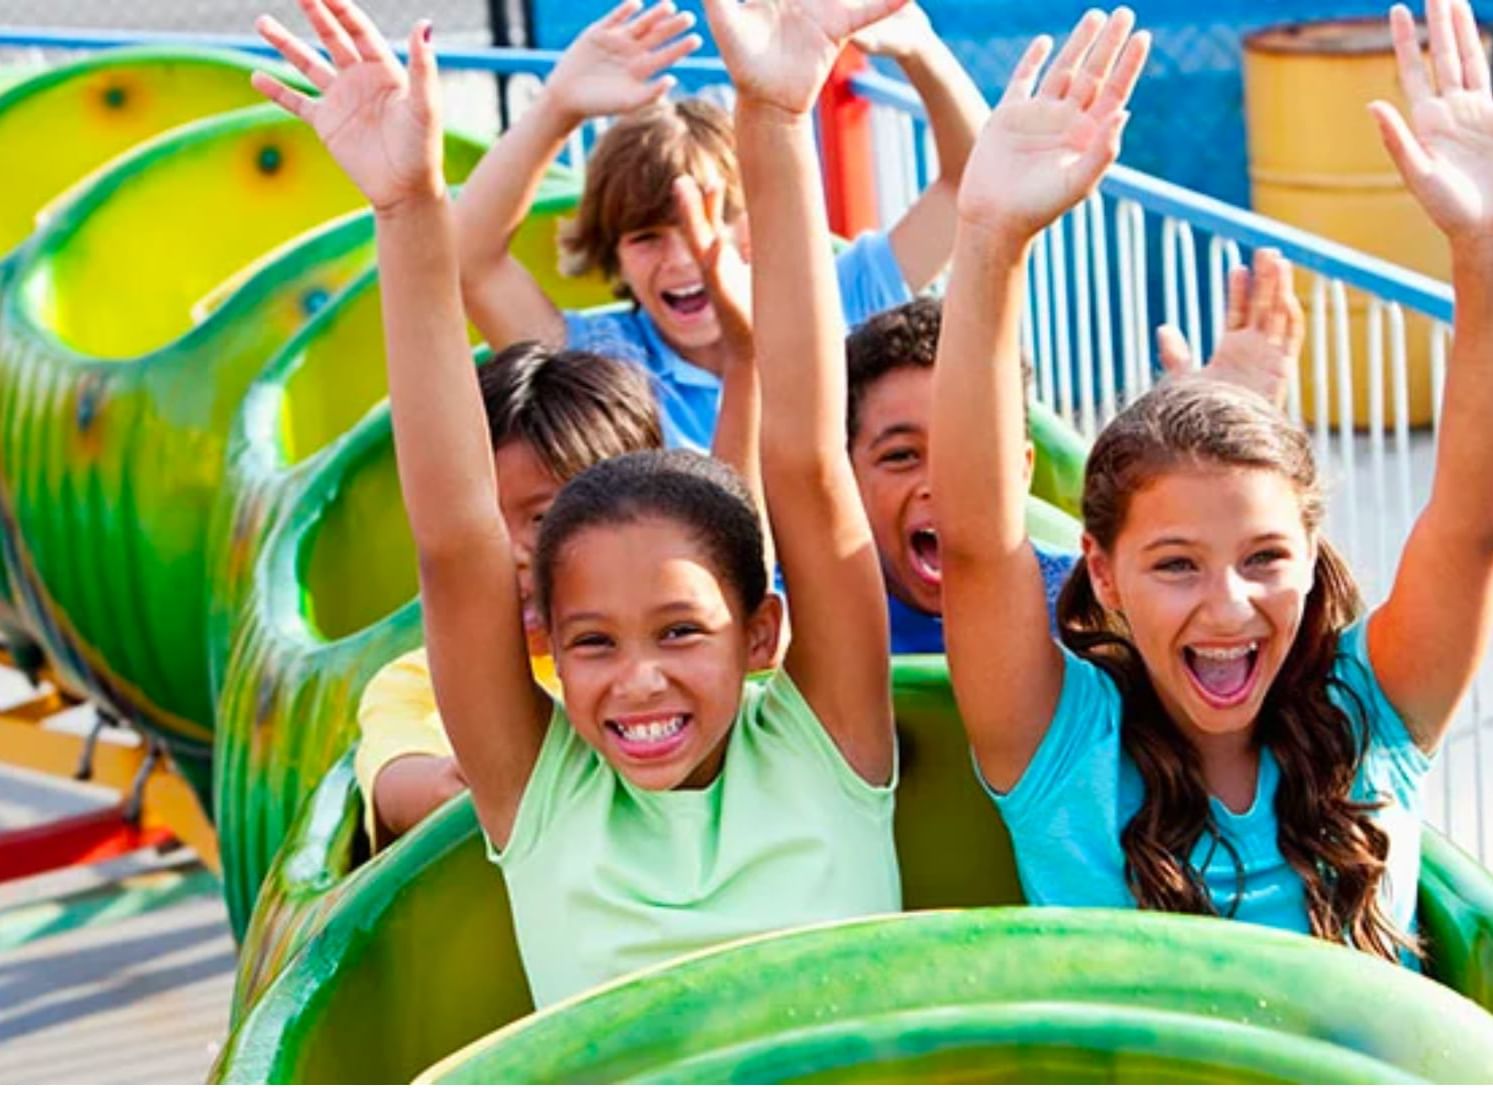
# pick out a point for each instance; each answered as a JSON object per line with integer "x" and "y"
{"x": 649, "y": 732}
{"x": 1232, "y": 654}
{"x": 686, "y": 293}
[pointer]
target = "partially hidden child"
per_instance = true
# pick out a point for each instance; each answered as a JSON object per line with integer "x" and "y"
{"x": 628, "y": 228}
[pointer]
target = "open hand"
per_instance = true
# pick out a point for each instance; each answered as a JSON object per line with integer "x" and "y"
{"x": 381, "y": 125}
{"x": 1045, "y": 147}
{"x": 779, "y": 52}
{"x": 723, "y": 272}
{"x": 897, "y": 36}
{"x": 610, "y": 68}
{"x": 1445, "y": 153}
{"x": 1264, "y": 331}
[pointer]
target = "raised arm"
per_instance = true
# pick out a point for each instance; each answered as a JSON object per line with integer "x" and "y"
{"x": 1041, "y": 152}
{"x": 1428, "y": 638}
{"x": 779, "y": 57}
{"x": 611, "y": 68}
{"x": 1264, "y": 329}
{"x": 924, "y": 236}
{"x": 383, "y": 127}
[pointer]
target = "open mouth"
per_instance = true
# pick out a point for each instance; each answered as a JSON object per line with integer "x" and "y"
{"x": 648, "y": 738}
{"x": 1224, "y": 675}
{"x": 922, "y": 548}
{"x": 686, "y": 301}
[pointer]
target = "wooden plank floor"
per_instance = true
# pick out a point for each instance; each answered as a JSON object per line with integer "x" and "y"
{"x": 142, "y": 1000}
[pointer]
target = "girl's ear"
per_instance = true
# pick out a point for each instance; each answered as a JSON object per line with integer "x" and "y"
{"x": 763, "y": 630}
{"x": 1101, "y": 575}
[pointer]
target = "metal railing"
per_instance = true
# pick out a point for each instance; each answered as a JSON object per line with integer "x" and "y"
{"x": 1140, "y": 252}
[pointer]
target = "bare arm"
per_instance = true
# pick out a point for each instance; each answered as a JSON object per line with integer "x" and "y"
{"x": 383, "y": 127}
{"x": 411, "y": 787}
{"x": 609, "y": 69}
{"x": 923, "y": 237}
{"x": 1429, "y": 637}
{"x": 779, "y": 58}
{"x": 1039, "y": 154}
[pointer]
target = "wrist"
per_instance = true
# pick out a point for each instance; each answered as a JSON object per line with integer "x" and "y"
{"x": 417, "y": 205}
{"x": 1472, "y": 250}
{"x": 767, "y": 114}
{"x": 556, "y": 111}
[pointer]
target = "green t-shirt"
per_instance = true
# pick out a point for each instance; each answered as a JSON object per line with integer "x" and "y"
{"x": 606, "y": 878}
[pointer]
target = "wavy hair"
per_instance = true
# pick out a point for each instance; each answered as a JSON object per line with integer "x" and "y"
{"x": 1329, "y": 838}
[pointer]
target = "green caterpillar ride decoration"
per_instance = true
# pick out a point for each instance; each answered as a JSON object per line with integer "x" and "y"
{"x": 63, "y": 123}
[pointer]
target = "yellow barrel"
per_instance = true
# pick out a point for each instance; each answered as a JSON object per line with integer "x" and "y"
{"x": 1316, "y": 162}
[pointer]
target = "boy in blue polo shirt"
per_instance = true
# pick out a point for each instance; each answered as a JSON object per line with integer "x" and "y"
{"x": 627, "y": 227}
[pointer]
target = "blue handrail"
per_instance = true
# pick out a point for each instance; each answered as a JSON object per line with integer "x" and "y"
{"x": 692, "y": 72}
{"x": 1157, "y": 196}
{"x": 1328, "y": 258}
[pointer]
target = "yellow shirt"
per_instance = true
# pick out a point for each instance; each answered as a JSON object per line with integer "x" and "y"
{"x": 398, "y": 717}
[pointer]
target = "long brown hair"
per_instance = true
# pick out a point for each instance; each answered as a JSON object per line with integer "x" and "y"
{"x": 1326, "y": 836}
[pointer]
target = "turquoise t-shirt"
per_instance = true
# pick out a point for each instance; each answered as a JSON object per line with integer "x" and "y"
{"x": 689, "y": 397}
{"x": 606, "y": 878}
{"x": 1081, "y": 788}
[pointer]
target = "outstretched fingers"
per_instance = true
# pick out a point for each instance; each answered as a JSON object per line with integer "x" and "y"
{"x": 863, "y": 13}
{"x": 1024, "y": 78}
{"x": 295, "y": 52}
{"x": 1065, "y": 65}
{"x": 1470, "y": 48}
{"x": 1413, "y": 77}
{"x": 1121, "y": 83}
{"x": 1265, "y": 290}
{"x": 365, "y": 37}
{"x": 292, "y": 101}
{"x": 1409, "y": 155}
{"x": 666, "y": 29}
{"x": 424, "y": 74}
{"x": 331, "y": 33}
{"x": 621, "y": 13}
{"x": 1446, "y": 60}
{"x": 647, "y": 23}
{"x": 1101, "y": 59}
{"x": 694, "y": 220}
{"x": 671, "y": 53}
{"x": 1236, "y": 309}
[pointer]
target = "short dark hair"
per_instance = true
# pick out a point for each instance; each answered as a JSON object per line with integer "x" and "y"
{"x": 905, "y": 335}
{"x": 573, "y": 407}
{"x": 702, "y": 494}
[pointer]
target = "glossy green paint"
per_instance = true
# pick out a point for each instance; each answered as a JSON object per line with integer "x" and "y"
{"x": 1000, "y": 995}
{"x": 373, "y": 971}
{"x": 62, "y": 124}
{"x": 126, "y": 343}
{"x": 59, "y": 125}
{"x": 1057, "y": 473}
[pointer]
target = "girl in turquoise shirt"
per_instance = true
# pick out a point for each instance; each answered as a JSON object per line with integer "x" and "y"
{"x": 1218, "y": 732}
{"x": 668, "y": 804}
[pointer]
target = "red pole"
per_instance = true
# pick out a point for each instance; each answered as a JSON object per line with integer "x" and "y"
{"x": 84, "y": 838}
{"x": 845, "y": 147}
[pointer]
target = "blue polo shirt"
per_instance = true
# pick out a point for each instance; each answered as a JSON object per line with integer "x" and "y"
{"x": 689, "y": 397}
{"x": 916, "y": 632}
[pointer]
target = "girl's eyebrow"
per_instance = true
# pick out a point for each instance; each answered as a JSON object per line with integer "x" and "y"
{"x": 1187, "y": 542}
